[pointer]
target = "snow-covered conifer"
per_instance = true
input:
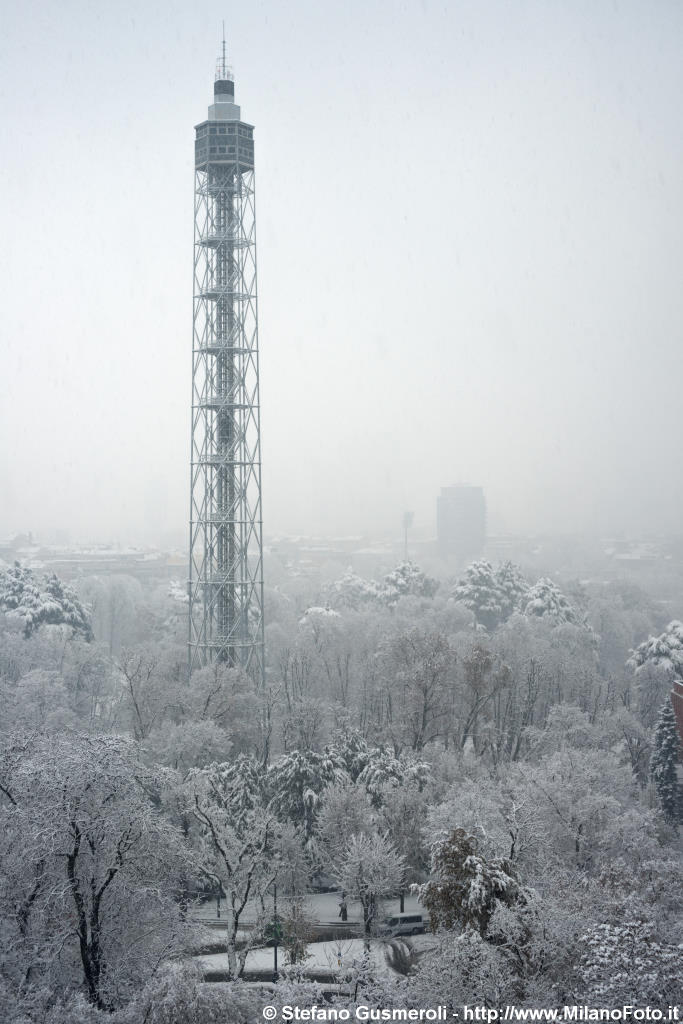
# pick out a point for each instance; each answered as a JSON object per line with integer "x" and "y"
{"x": 480, "y": 590}
{"x": 406, "y": 579}
{"x": 239, "y": 785}
{"x": 546, "y": 600}
{"x": 38, "y": 601}
{"x": 296, "y": 780}
{"x": 513, "y": 587}
{"x": 664, "y": 651}
{"x": 465, "y": 888}
{"x": 666, "y": 755}
{"x": 351, "y": 745}
{"x": 383, "y": 769}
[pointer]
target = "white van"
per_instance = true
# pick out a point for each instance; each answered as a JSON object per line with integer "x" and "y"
{"x": 403, "y": 924}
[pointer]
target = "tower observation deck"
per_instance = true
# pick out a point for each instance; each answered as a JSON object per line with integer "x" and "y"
{"x": 226, "y": 550}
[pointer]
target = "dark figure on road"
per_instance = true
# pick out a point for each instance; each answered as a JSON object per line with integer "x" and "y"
{"x": 343, "y": 910}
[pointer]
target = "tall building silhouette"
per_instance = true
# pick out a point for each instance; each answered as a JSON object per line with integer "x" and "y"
{"x": 461, "y": 523}
{"x": 226, "y": 547}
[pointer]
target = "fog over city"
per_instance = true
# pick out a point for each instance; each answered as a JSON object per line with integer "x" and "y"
{"x": 469, "y": 244}
{"x": 341, "y": 612}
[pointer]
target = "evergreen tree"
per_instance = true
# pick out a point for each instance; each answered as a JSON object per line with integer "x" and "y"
{"x": 296, "y": 781}
{"x": 465, "y": 888}
{"x": 480, "y": 591}
{"x": 351, "y": 745}
{"x": 406, "y": 579}
{"x": 545, "y": 599}
{"x": 664, "y": 651}
{"x": 383, "y": 769}
{"x": 36, "y": 600}
{"x": 513, "y": 587}
{"x": 663, "y": 762}
{"x": 238, "y": 786}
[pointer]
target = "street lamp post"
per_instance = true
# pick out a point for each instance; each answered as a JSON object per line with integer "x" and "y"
{"x": 275, "y": 932}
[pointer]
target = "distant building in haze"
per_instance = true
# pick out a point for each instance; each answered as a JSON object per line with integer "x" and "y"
{"x": 461, "y": 523}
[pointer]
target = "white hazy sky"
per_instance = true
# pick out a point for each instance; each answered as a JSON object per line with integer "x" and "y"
{"x": 470, "y": 242}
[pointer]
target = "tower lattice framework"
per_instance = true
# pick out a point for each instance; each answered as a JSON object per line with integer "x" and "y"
{"x": 226, "y": 547}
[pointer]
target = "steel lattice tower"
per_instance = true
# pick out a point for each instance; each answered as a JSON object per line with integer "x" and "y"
{"x": 226, "y": 549}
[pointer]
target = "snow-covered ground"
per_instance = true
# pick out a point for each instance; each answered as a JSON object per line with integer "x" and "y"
{"x": 337, "y": 956}
{"x": 321, "y": 906}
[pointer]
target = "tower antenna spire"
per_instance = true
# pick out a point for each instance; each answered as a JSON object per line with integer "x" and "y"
{"x": 223, "y": 69}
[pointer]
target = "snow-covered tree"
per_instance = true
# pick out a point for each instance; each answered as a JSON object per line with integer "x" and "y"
{"x": 367, "y": 868}
{"x": 406, "y": 579}
{"x": 351, "y": 591}
{"x": 117, "y": 606}
{"x": 401, "y": 816}
{"x": 187, "y": 745}
{"x": 546, "y": 600}
{"x": 513, "y": 587}
{"x": 296, "y": 781}
{"x": 38, "y": 601}
{"x": 240, "y": 854}
{"x": 316, "y": 615}
{"x": 481, "y": 591}
{"x": 39, "y": 700}
{"x": 491, "y": 594}
{"x": 624, "y": 964}
{"x": 463, "y": 969}
{"x": 177, "y": 995}
{"x": 352, "y": 746}
{"x": 89, "y": 865}
{"x": 344, "y": 810}
{"x": 383, "y": 770}
{"x": 480, "y": 681}
{"x": 297, "y": 931}
{"x": 226, "y": 696}
{"x": 464, "y": 887}
{"x": 664, "y": 651}
{"x": 581, "y": 797}
{"x": 666, "y": 756}
{"x": 239, "y": 786}
{"x": 147, "y": 696}
{"x": 417, "y": 669}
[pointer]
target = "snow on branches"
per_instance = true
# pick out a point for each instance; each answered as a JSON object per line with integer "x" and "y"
{"x": 491, "y": 594}
{"x": 41, "y": 600}
{"x": 546, "y": 600}
{"x": 465, "y": 888}
{"x": 664, "y": 651}
{"x": 406, "y": 580}
{"x": 624, "y": 964}
{"x": 368, "y": 868}
{"x": 383, "y": 769}
{"x": 296, "y": 780}
{"x": 89, "y": 865}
